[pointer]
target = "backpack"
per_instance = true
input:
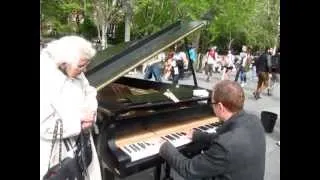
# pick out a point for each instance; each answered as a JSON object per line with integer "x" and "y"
{"x": 275, "y": 62}
{"x": 193, "y": 54}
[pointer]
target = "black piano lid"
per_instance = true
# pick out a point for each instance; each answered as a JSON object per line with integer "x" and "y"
{"x": 112, "y": 63}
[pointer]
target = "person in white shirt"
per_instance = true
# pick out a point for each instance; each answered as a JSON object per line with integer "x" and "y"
{"x": 65, "y": 94}
{"x": 181, "y": 60}
{"x": 241, "y": 69}
{"x": 227, "y": 65}
{"x": 211, "y": 62}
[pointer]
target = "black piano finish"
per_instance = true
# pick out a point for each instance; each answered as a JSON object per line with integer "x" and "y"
{"x": 126, "y": 103}
{"x": 120, "y": 162}
{"x": 103, "y": 71}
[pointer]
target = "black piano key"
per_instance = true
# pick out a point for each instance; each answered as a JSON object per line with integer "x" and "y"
{"x": 127, "y": 149}
{"x": 148, "y": 144}
{"x": 174, "y": 135}
{"x": 133, "y": 148}
{"x": 213, "y": 124}
{"x": 164, "y": 138}
{"x": 183, "y": 133}
{"x": 196, "y": 129}
{"x": 209, "y": 126}
{"x": 136, "y": 147}
{"x": 173, "y": 138}
{"x": 203, "y": 128}
{"x": 180, "y": 134}
{"x": 141, "y": 145}
{"x": 169, "y": 137}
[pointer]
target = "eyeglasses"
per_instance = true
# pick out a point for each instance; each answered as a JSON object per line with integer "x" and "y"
{"x": 214, "y": 103}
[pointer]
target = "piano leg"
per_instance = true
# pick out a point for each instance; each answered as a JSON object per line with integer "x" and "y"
{"x": 167, "y": 172}
{"x": 157, "y": 172}
{"x": 106, "y": 174}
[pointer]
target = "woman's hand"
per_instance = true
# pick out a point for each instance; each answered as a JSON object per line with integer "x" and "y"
{"x": 88, "y": 119}
{"x": 190, "y": 134}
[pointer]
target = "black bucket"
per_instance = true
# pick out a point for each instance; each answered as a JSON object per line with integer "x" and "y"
{"x": 268, "y": 120}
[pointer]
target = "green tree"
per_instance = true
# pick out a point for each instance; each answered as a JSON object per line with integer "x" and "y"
{"x": 264, "y": 24}
{"x": 58, "y": 15}
{"x": 152, "y": 15}
{"x": 106, "y": 12}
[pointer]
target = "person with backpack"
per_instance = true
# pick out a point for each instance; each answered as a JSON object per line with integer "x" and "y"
{"x": 275, "y": 71}
{"x": 193, "y": 56}
{"x": 263, "y": 68}
{"x": 241, "y": 70}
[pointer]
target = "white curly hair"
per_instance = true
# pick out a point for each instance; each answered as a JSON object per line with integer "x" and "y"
{"x": 69, "y": 49}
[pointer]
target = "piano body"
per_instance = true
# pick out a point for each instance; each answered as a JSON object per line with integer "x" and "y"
{"x": 134, "y": 114}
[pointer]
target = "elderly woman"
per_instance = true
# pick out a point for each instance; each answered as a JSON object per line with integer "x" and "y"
{"x": 65, "y": 93}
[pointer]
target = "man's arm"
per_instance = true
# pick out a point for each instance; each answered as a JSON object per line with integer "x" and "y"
{"x": 208, "y": 164}
{"x": 199, "y": 136}
{"x": 90, "y": 95}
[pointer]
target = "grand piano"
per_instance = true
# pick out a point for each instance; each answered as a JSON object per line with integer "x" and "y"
{"x": 134, "y": 114}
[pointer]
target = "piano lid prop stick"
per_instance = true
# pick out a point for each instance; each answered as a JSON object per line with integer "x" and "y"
{"x": 171, "y": 96}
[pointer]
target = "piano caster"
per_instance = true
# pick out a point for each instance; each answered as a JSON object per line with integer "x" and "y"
{"x": 167, "y": 172}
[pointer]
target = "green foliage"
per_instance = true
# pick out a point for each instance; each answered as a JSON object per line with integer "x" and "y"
{"x": 55, "y": 13}
{"x": 152, "y": 15}
{"x": 234, "y": 22}
{"x": 88, "y": 29}
{"x": 119, "y": 34}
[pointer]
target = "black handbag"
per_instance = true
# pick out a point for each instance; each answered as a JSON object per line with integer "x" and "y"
{"x": 70, "y": 168}
{"x": 83, "y": 153}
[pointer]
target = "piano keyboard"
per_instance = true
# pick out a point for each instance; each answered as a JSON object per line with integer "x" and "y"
{"x": 150, "y": 146}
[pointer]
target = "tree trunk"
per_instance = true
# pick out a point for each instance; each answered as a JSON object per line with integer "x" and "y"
{"x": 84, "y": 7}
{"x": 99, "y": 32}
{"x": 127, "y": 28}
{"x": 195, "y": 41}
{"x": 230, "y": 41}
{"x": 127, "y": 20}
{"x": 104, "y": 37}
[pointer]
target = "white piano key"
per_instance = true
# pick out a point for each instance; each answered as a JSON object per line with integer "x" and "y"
{"x": 144, "y": 149}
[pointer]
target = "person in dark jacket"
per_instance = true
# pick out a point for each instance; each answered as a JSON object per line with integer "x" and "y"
{"x": 263, "y": 69}
{"x": 237, "y": 150}
{"x": 275, "y": 72}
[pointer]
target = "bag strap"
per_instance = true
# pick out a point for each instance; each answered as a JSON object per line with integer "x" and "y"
{"x": 54, "y": 138}
{"x": 81, "y": 140}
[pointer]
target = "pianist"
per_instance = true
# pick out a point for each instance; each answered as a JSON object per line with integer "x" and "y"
{"x": 237, "y": 150}
{"x": 64, "y": 93}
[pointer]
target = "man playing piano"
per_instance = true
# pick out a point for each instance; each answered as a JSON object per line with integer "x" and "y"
{"x": 237, "y": 150}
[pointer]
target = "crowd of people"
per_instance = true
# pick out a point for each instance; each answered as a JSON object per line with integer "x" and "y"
{"x": 174, "y": 64}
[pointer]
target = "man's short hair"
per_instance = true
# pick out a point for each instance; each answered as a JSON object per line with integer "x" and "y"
{"x": 230, "y": 94}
